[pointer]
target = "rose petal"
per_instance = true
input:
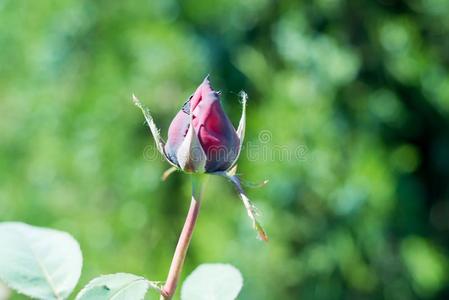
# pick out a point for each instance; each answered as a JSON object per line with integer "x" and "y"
{"x": 176, "y": 134}
{"x": 203, "y": 90}
{"x": 190, "y": 154}
{"x": 216, "y": 133}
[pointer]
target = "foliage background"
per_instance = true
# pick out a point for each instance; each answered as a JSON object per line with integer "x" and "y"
{"x": 362, "y": 87}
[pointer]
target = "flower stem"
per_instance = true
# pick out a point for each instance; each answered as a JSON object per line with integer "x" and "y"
{"x": 177, "y": 263}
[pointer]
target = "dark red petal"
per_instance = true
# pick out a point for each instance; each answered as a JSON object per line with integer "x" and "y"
{"x": 204, "y": 89}
{"x": 216, "y": 133}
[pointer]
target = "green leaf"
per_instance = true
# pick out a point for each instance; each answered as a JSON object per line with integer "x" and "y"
{"x": 116, "y": 287}
{"x": 39, "y": 262}
{"x": 212, "y": 281}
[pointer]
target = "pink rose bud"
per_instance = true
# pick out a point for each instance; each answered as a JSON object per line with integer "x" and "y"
{"x": 201, "y": 137}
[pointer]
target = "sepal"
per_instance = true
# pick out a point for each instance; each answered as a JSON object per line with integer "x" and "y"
{"x": 242, "y": 125}
{"x": 190, "y": 155}
{"x": 154, "y": 130}
{"x": 250, "y": 207}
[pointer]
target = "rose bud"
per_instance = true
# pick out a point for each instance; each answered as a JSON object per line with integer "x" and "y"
{"x": 201, "y": 138}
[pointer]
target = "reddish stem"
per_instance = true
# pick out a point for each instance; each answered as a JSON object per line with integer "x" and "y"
{"x": 183, "y": 243}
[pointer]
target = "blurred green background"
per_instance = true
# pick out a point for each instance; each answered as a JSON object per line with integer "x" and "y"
{"x": 360, "y": 87}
